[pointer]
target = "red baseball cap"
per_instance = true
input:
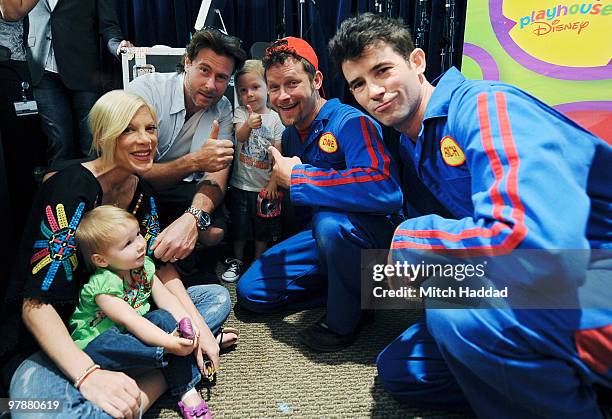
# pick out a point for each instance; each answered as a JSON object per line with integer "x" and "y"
{"x": 297, "y": 46}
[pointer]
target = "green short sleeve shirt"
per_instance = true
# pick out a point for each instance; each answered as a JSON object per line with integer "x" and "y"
{"x": 89, "y": 321}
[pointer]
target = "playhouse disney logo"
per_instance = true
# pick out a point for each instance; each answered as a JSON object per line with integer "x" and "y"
{"x": 571, "y": 17}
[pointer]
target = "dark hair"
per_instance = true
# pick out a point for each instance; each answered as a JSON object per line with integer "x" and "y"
{"x": 218, "y": 42}
{"x": 280, "y": 55}
{"x": 357, "y": 33}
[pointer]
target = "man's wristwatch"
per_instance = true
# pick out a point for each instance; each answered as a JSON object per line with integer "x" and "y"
{"x": 202, "y": 218}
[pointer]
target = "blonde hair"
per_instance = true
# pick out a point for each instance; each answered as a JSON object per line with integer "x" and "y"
{"x": 109, "y": 117}
{"x": 98, "y": 229}
{"x": 251, "y": 66}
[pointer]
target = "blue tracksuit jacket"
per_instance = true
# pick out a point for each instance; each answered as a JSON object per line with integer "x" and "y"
{"x": 345, "y": 163}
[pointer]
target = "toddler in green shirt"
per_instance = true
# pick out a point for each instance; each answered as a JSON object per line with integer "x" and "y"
{"x": 113, "y": 323}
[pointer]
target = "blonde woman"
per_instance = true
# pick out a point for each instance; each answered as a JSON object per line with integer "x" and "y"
{"x": 48, "y": 274}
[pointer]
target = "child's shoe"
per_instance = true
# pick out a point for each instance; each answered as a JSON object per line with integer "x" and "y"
{"x": 185, "y": 328}
{"x": 200, "y": 411}
{"x": 233, "y": 271}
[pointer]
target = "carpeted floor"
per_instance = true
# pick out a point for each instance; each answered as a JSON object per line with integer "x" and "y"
{"x": 270, "y": 374}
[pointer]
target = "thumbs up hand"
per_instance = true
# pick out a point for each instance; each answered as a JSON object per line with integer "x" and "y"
{"x": 254, "y": 119}
{"x": 282, "y": 168}
{"x": 214, "y": 132}
{"x": 215, "y": 154}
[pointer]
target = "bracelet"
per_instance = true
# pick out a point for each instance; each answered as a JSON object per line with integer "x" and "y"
{"x": 85, "y": 374}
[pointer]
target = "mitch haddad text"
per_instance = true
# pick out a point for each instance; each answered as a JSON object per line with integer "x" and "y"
{"x": 421, "y": 271}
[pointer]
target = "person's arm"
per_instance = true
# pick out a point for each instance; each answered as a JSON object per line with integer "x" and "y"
{"x": 114, "y": 392}
{"x": 243, "y": 131}
{"x": 279, "y": 146}
{"x": 13, "y": 10}
{"x": 369, "y": 183}
{"x": 123, "y": 314}
{"x": 179, "y": 238}
{"x": 208, "y": 345}
{"x": 214, "y": 155}
{"x": 109, "y": 28}
{"x": 271, "y": 189}
{"x": 164, "y": 299}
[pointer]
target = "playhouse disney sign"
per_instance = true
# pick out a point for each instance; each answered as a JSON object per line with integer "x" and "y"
{"x": 558, "y": 32}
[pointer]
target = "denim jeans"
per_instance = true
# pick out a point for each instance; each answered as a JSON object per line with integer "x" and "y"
{"x": 63, "y": 113}
{"x": 122, "y": 351}
{"x": 38, "y": 377}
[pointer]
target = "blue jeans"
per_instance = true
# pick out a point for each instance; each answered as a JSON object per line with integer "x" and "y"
{"x": 122, "y": 351}
{"x": 38, "y": 377}
{"x": 63, "y": 113}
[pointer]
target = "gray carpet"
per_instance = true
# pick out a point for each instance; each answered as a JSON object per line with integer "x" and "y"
{"x": 270, "y": 374}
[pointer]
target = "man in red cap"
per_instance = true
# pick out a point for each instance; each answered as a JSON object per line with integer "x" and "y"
{"x": 342, "y": 173}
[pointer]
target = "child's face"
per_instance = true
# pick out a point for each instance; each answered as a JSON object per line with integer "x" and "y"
{"x": 128, "y": 249}
{"x": 253, "y": 92}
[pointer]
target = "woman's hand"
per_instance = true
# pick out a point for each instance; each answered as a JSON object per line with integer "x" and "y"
{"x": 114, "y": 392}
{"x": 208, "y": 347}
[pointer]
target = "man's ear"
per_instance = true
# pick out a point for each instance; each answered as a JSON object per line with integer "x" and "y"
{"x": 318, "y": 80}
{"x": 417, "y": 60}
{"x": 99, "y": 260}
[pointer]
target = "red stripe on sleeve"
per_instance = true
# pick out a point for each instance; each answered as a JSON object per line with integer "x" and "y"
{"x": 321, "y": 173}
{"x": 335, "y": 182}
{"x": 519, "y": 229}
{"x": 518, "y": 210}
{"x": 381, "y": 149}
{"x": 595, "y": 348}
{"x": 363, "y": 174}
{"x": 455, "y": 237}
{"x": 487, "y": 142}
{"x": 368, "y": 140}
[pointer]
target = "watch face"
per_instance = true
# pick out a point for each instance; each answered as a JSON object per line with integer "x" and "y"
{"x": 203, "y": 220}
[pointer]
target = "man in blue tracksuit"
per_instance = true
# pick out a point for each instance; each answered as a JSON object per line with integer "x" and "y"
{"x": 515, "y": 174}
{"x": 343, "y": 172}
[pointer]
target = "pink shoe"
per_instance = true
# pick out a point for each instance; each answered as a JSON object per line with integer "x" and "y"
{"x": 185, "y": 328}
{"x": 200, "y": 411}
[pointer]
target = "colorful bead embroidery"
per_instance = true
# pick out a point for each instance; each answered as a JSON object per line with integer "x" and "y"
{"x": 60, "y": 246}
{"x": 136, "y": 291}
{"x": 151, "y": 226}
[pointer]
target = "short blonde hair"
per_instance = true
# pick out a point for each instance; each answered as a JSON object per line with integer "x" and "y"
{"x": 250, "y": 66}
{"x": 98, "y": 229}
{"x": 109, "y": 117}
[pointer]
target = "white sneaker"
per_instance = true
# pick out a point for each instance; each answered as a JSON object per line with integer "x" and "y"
{"x": 233, "y": 271}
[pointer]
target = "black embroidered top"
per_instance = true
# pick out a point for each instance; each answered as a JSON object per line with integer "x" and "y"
{"x": 48, "y": 267}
